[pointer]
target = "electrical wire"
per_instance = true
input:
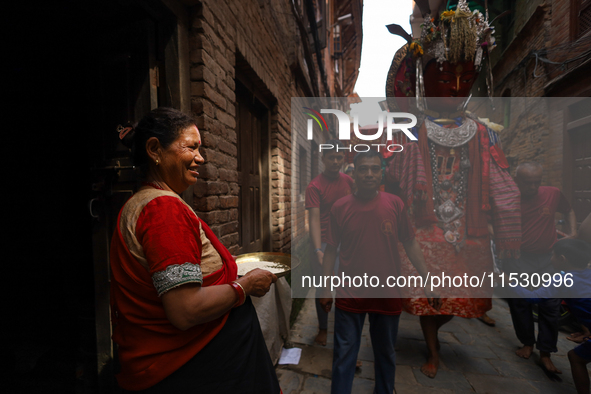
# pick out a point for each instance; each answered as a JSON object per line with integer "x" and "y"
{"x": 560, "y": 64}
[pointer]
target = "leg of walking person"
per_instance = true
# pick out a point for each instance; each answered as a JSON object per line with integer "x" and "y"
{"x": 320, "y": 312}
{"x": 579, "y": 357}
{"x": 347, "y": 339}
{"x": 430, "y": 326}
{"x": 383, "y": 330}
{"x": 523, "y": 324}
{"x": 548, "y": 316}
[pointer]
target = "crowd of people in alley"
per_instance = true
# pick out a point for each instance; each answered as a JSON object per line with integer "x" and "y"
{"x": 347, "y": 235}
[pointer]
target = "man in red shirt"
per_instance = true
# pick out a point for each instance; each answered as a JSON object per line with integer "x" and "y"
{"x": 539, "y": 205}
{"x": 368, "y": 226}
{"x": 321, "y": 193}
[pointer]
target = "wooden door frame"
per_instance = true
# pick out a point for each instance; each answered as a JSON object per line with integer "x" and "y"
{"x": 266, "y": 181}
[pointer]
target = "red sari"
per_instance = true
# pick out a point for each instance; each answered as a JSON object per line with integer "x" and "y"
{"x": 158, "y": 233}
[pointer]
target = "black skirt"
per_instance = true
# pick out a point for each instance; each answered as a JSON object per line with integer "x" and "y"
{"x": 236, "y": 360}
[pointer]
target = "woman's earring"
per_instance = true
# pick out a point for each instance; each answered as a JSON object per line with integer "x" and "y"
{"x": 157, "y": 162}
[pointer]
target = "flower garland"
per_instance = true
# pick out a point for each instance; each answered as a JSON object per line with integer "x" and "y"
{"x": 455, "y": 35}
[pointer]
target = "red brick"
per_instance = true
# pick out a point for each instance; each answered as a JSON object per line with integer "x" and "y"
{"x": 228, "y": 240}
{"x": 228, "y": 175}
{"x": 216, "y": 188}
{"x": 209, "y": 140}
{"x": 207, "y": 203}
{"x": 209, "y": 171}
{"x": 225, "y": 118}
{"x": 213, "y": 217}
{"x": 228, "y": 228}
{"x": 229, "y": 201}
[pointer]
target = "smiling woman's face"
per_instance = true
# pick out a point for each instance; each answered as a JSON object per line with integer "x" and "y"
{"x": 179, "y": 162}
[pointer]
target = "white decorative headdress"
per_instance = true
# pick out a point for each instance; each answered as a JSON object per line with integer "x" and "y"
{"x": 452, "y": 35}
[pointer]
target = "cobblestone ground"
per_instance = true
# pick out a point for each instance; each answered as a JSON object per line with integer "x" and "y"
{"x": 475, "y": 358}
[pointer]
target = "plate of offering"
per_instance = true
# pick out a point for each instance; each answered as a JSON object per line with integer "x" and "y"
{"x": 277, "y": 263}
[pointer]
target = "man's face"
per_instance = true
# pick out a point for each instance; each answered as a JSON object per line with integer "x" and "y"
{"x": 368, "y": 174}
{"x": 528, "y": 181}
{"x": 333, "y": 161}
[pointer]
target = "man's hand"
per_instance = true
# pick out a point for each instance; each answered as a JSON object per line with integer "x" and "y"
{"x": 572, "y": 223}
{"x": 326, "y": 304}
{"x": 320, "y": 256}
{"x": 328, "y": 260}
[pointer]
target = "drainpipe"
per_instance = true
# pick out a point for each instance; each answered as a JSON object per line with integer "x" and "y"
{"x": 312, "y": 18}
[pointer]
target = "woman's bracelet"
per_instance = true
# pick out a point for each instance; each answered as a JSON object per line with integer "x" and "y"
{"x": 241, "y": 293}
{"x": 319, "y": 250}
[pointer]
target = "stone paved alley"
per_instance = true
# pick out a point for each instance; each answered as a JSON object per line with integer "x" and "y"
{"x": 475, "y": 358}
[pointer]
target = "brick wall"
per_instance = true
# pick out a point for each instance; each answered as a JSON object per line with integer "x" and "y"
{"x": 264, "y": 36}
{"x": 562, "y": 21}
{"x": 536, "y": 134}
{"x": 514, "y": 70}
{"x": 532, "y": 136}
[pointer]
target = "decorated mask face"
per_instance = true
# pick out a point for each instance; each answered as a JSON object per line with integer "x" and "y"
{"x": 448, "y": 84}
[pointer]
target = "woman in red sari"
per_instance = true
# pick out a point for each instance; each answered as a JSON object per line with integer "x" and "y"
{"x": 182, "y": 320}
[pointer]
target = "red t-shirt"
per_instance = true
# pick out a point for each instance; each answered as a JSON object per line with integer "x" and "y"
{"x": 322, "y": 192}
{"x": 369, "y": 232}
{"x": 537, "y": 219}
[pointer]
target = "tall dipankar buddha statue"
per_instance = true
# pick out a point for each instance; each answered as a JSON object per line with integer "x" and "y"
{"x": 454, "y": 179}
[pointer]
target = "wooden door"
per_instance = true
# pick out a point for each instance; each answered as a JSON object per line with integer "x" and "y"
{"x": 129, "y": 79}
{"x": 127, "y": 93}
{"x": 251, "y": 129}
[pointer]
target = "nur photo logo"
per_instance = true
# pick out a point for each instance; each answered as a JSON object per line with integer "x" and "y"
{"x": 386, "y": 121}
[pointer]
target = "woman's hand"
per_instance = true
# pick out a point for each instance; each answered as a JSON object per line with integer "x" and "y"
{"x": 257, "y": 282}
